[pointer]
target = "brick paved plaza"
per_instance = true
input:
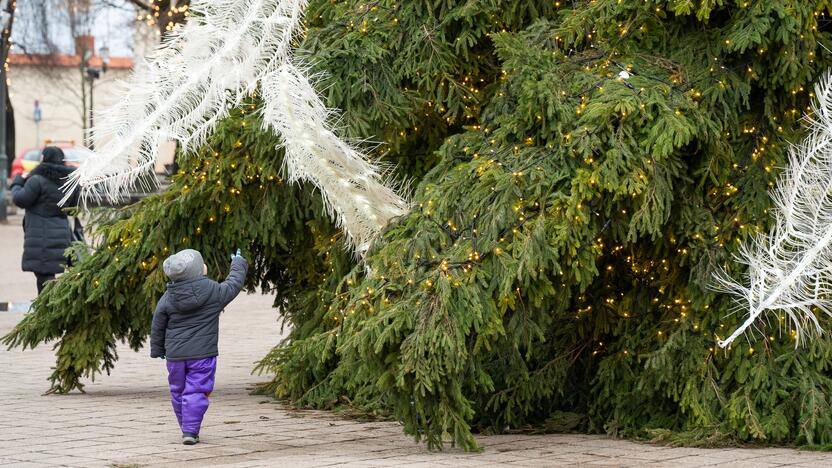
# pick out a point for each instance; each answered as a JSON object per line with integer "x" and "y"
{"x": 125, "y": 420}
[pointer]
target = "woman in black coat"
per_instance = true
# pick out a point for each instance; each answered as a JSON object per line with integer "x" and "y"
{"x": 45, "y": 226}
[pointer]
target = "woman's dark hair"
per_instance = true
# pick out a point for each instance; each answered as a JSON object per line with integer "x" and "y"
{"x": 53, "y": 154}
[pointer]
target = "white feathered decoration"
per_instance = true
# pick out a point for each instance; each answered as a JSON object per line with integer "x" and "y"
{"x": 349, "y": 183}
{"x": 227, "y": 50}
{"x": 187, "y": 85}
{"x": 790, "y": 268}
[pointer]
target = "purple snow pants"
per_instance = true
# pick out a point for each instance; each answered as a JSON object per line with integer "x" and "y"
{"x": 190, "y": 381}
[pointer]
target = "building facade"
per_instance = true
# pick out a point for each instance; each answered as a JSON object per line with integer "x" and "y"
{"x": 58, "y": 86}
{"x": 50, "y": 95}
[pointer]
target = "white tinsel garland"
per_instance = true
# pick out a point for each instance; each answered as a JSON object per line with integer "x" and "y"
{"x": 226, "y": 51}
{"x": 790, "y": 267}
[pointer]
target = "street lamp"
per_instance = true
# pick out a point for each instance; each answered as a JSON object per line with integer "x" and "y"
{"x": 104, "y": 53}
{"x": 92, "y": 75}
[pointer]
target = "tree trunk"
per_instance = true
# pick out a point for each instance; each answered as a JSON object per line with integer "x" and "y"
{"x": 6, "y": 45}
{"x": 10, "y": 135}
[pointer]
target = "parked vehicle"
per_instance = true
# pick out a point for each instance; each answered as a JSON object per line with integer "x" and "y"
{"x": 30, "y": 158}
{"x": 73, "y": 156}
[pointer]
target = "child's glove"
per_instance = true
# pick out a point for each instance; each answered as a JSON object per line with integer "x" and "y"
{"x": 235, "y": 255}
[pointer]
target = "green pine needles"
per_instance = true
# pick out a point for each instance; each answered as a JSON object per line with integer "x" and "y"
{"x": 558, "y": 256}
{"x": 217, "y": 202}
{"x": 567, "y": 219}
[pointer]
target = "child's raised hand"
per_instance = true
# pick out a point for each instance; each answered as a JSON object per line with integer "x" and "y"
{"x": 233, "y": 256}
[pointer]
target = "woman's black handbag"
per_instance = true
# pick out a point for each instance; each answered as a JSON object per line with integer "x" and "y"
{"x": 78, "y": 231}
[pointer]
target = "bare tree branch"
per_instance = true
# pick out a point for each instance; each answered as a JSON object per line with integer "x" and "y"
{"x": 124, "y": 5}
{"x": 166, "y": 14}
{"x": 142, "y": 5}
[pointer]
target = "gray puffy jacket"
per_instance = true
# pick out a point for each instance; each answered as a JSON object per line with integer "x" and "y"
{"x": 186, "y": 321}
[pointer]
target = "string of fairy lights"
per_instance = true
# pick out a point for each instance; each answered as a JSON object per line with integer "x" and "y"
{"x": 164, "y": 15}
{"x": 758, "y": 149}
{"x": 646, "y": 270}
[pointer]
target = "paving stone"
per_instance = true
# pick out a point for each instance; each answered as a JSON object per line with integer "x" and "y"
{"x": 27, "y": 464}
{"x": 67, "y": 460}
{"x": 618, "y": 462}
{"x": 429, "y": 464}
{"x": 755, "y": 463}
{"x": 702, "y": 459}
{"x": 124, "y": 462}
{"x": 125, "y": 420}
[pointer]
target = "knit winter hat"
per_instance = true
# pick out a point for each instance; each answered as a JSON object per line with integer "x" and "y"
{"x": 53, "y": 154}
{"x": 184, "y": 265}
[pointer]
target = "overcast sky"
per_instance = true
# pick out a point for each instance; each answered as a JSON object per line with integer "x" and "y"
{"x": 111, "y": 22}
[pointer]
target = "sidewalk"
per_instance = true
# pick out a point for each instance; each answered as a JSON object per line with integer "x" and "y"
{"x": 15, "y": 285}
{"x": 124, "y": 419}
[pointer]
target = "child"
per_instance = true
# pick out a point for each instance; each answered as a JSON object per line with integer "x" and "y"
{"x": 185, "y": 331}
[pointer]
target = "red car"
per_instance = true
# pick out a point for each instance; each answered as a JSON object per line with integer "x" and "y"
{"x": 30, "y": 158}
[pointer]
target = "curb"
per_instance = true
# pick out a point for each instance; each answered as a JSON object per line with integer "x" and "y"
{"x": 21, "y": 306}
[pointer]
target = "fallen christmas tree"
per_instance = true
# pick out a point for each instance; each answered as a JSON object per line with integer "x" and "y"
{"x": 594, "y": 164}
{"x": 555, "y": 270}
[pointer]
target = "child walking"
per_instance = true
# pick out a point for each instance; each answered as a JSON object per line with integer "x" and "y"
{"x": 185, "y": 332}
